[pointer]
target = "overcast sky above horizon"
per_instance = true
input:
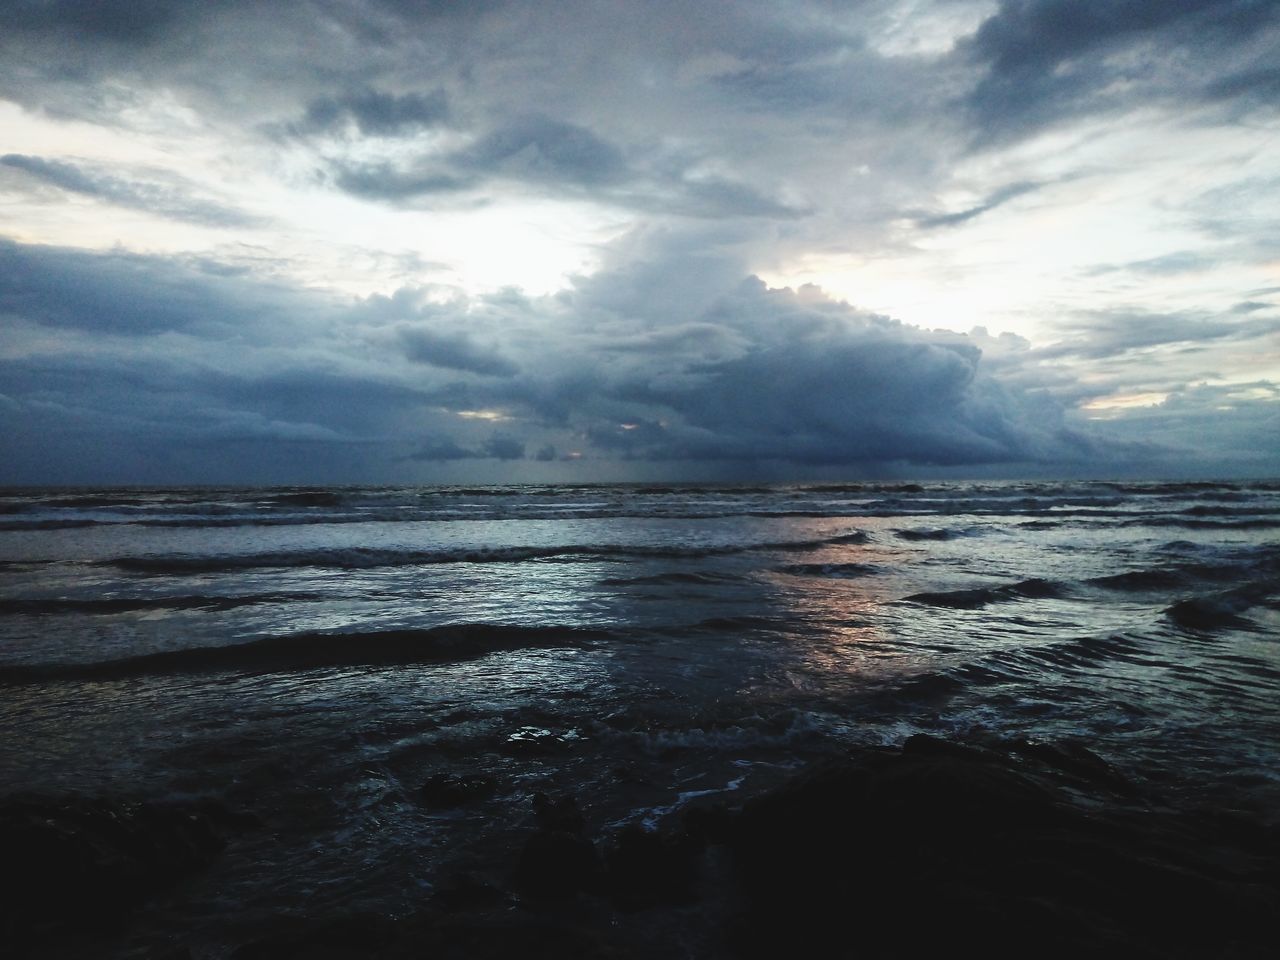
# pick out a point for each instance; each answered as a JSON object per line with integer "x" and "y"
{"x": 398, "y": 241}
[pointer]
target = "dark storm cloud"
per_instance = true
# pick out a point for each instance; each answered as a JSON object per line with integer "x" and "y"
{"x": 117, "y": 21}
{"x": 715, "y": 197}
{"x": 1050, "y": 59}
{"x": 446, "y": 449}
{"x": 816, "y": 382}
{"x": 443, "y": 450}
{"x": 383, "y": 182}
{"x": 559, "y": 158}
{"x": 504, "y": 448}
{"x": 996, "y": 199}
{"x": 540, "y": 148}
{"x": 126, "y": 294}
{"x": 1040, "y": 34}
{"x": 454, "y": 351}
{"x": 534, "y": 150}
{"x": 750, "y": 375}
{"x": 1261, "y": 87}
{"x": 375, "y": 113}
{"x": 164, "y": 194}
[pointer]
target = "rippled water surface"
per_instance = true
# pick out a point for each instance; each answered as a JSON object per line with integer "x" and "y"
{"x": 312, "y": 657}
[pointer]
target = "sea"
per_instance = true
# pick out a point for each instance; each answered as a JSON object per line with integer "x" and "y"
{"x": 378, "y": 679}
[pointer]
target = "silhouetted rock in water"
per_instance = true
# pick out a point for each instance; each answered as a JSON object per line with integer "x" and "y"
{"x": 557, "y": 815}
{"x": 557, "y": 861}
{"x": 1002, "y": 849}
{"x": 503, "y": 934}
{"x": 446, "y": 791}
{"x": 644, "y": 869}
{"x": 937, "y": 534}
{"x": 335, "y": 938}
{"x": 941, "y": 846}
{"x": 307, "y": 498}
{"x": 78, "y": 867}
{"x": 978, "y": 597}
{"x": 1211, "y": 613}
{"x": 465, "y": 891}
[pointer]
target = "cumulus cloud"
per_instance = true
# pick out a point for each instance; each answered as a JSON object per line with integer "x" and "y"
{"x": 808, "y": 380}
{"x": 755, "y": 374}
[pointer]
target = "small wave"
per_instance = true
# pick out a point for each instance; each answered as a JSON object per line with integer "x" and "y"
{"x": 1189, "y": 486}
{"x": 68, "y": 524}
{"x": 915, "y": 535}
{"x": 1214, "y": 612}
{"x": 978, "y": 597}
{"x": 1202, "y": 523}
{"x": 1138, "y": 580}
{"x": 857, "y": 536}
{"x": 306, "y": 498}
{"x": 311, "y": 651}
{"x": 94, "y": 502}
{"x": 839, "y": 571}
{"x": 111, "y": 605}
{"x": 1218, "y": 510}
{"x": 854, "y": 537}
{"x": 925, "y": 687}
{"x": 673, "y": 577}
{"x": 363, "y": 558}
{"x": 1088, "y": 651}
{"x": 359, "y": 558}
{"x": 732, "y": 625}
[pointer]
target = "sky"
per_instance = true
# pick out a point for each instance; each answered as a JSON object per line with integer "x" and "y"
{"x": 400, "y": 241}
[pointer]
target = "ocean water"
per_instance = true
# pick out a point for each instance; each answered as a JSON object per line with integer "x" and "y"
{"x": 310, "y": 658}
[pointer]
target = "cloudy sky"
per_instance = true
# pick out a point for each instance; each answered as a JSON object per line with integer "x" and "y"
{"x": 416, "y": 240}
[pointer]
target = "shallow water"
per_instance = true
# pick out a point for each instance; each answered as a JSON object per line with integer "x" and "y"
{"x": 312, "y": 657}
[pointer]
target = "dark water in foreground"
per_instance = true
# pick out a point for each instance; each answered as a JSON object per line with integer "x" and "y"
{"x": 311, "y": 658}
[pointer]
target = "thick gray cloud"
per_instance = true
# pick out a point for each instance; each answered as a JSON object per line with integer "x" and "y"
{"x": 757, "y": 375}
{"x": 747, "y": 375}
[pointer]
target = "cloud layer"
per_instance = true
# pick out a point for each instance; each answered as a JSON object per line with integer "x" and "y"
{"x": 382, "y": 240}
